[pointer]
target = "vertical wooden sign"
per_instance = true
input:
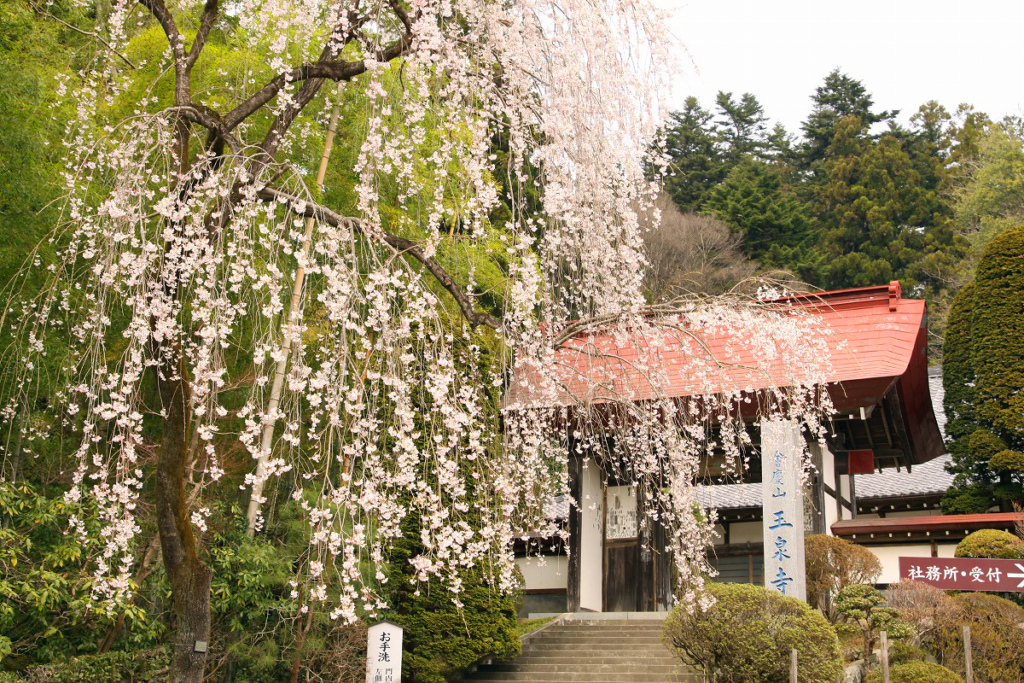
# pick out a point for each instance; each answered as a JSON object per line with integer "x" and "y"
{"x": 783, "y": 507}
{"x": 384, "y": 653}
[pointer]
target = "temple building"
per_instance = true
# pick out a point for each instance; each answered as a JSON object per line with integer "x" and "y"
{"x": 883, "y": 430}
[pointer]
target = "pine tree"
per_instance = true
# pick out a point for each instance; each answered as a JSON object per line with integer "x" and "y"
{"x": 839, "y": 97}
{"x": 696, "y": 164}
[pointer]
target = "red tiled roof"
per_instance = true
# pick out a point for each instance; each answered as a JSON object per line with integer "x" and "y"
{"x": 879, "y": 342}
{"x": 992, "y": 520}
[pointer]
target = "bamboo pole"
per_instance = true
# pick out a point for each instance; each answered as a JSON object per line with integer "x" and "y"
{"x": 286, "y": 331}
{"x": 968, "y": 655}
{"x": 885, "y": 657}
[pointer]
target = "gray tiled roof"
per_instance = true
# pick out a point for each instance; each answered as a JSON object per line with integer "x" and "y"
{"x": 931, "y": 477}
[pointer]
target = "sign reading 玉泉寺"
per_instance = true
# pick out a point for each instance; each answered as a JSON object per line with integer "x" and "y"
{"x": 783, "y": 503}
{"x": 965, "y": 574}
{"x": 384, "y": 653}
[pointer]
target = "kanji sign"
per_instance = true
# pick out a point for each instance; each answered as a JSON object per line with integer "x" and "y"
{"x": 965, "y": 574}
{"x": 384, "y": 653}
{"x": 783, "y": 503}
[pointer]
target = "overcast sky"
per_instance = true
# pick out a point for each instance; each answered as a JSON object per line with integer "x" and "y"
{"x": 904, "y": 51}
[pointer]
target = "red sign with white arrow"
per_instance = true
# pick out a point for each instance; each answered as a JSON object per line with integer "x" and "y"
{"x": 964, "y": 574}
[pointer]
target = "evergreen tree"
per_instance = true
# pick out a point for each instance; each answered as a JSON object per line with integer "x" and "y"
{"x": 742, "y": 127}
{"x": 839, "y": 97}
{"x": 883, "y": 218}
{"x": 776, "y": 226}
{"x": 696, "y": 165}
{"x": 983, "y": 374}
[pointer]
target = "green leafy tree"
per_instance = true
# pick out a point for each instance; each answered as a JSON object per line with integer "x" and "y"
{"x": 984, "y": 380}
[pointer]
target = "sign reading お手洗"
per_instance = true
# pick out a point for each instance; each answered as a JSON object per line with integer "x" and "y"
{"x": 783, "y": 502}
{"x": 965, "y": 574}
{"x": 384, "y": 653}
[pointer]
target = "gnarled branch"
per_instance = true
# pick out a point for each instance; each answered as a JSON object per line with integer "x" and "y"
{"x": 401, "y": 244}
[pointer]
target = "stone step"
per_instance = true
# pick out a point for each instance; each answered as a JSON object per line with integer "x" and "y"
{"x": 607, "y": 641}
{"x": 568, "y": 659}
{"x": 580, "y": 630}
{"x": 590, "y": 649}
{"x": 589, "y": 677}
{"x": 582, "y": 665}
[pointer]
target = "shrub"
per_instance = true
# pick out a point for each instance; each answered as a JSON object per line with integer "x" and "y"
{"x": 862, "y": 605}
{"x": 112, "y": 667}
{"x": 917, "y": 672}
{"x": 902, "y": 653}
{"x": 747, "y": 635}
{"x": 925, "y": 608}
{"x": 832, "y": 564}
{"x": 997, "y": 639}
{"x": 991, "y": 543}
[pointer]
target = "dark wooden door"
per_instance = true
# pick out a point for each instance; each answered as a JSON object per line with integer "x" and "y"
{"x": 621, "y": 576}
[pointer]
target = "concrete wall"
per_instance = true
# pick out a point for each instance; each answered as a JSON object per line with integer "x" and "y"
{"x": 592, "y": 538}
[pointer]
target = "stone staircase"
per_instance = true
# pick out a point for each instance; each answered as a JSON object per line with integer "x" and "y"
{"x": 591, "y": 651}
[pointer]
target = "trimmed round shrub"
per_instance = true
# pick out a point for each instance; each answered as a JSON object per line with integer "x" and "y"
{"x": 916, "y": 672}
{"x": 997, "y": 638}
{"x": 991, "y": 543}
{"x": 747, "y": 636}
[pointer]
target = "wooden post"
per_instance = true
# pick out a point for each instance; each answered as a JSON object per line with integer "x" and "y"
{"x": 968, "y": 657}
{"x": 885, "y": 657}
{"x": 793, "y": 666}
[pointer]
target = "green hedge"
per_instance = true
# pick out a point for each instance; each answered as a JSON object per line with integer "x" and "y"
{"x": 747, "y": 636}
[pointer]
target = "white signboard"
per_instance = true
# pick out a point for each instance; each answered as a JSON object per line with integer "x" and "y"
{"x": 621, "y": 515}
{"x": 384, "y": 653}
{"x": 783, "y": 501}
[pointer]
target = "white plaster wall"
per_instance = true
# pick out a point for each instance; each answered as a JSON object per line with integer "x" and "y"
{"x": 591, "y": 538}
{"x": 889, "y": 556}
{"x": 544, "y": 571}
{"x": 746, "y": 532}
{"x": 844, "y": 489}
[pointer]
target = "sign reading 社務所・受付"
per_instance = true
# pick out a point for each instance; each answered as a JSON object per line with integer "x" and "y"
{"x": 965, "y": 574}
{"x": 384, "y": 653}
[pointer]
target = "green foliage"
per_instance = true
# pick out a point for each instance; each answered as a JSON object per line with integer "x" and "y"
{"x": 776, "y": 226}
{"x": 696, "y": 165}
{"x": 917, "y": 672}
{"x": 747, "y": 635}
{"x": 832, "y": 564}
{"x": 984, "y": 380}
{"x": 902, "y": 653}
{"x": 991, "y": 543}
{"x": 112, "y": 667}
{"x": 442, "y": 638}
{"x": 840, "y": 96}
{"x": 997, "y": 639}
{"x": 862, "y": 605}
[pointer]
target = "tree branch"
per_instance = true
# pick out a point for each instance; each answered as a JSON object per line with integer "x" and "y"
{"x": 333, "y": 70}
{"x": 210, "y": 12}
{"x": 91, "y": 34}
{"x": 403, "y": 245}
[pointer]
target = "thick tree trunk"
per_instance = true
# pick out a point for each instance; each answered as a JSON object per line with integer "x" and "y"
{"x": 189, "y": 577}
